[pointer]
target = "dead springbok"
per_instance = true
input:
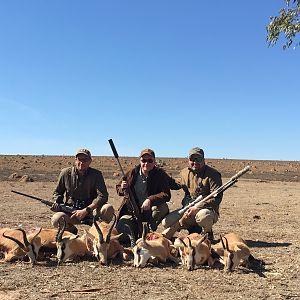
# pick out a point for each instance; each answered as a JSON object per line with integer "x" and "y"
{"x": 194, "y": 250}
{"x": 152, "y": 246}
{"x": 70, "y": 246}
{"x": 233, "y": 251}
{"x": 105, "y": 244}
{"x": 16, "y": 244}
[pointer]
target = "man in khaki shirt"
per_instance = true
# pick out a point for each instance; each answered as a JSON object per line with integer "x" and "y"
{"x": 197, "y": 179}
{"x": 82, "y": 188}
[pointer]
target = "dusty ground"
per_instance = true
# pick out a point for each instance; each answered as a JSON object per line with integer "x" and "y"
{"x": 263, "y": 207}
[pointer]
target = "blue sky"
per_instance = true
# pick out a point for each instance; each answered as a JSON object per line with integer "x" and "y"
{"x": 168, "y": 75}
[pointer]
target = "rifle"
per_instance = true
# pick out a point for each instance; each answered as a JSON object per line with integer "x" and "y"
{"x": 169, "y": 232}
{"x": 62, "y": 207}
{"x": 132, "y": 206}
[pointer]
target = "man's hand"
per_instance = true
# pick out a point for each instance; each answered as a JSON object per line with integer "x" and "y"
{"x": 146, "y": 205}
{"x": 124, "y": 184}
{"x": 79, "y": 214}
{"x": 55, "y": 207}
{"x": 191, "y": 212}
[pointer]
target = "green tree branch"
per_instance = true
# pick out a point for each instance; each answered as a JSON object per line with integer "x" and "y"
{"x": 287, "y": 22}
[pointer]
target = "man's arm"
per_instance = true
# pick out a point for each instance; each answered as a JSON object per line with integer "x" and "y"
{"x": 102, "y": 194}
{"x": 58, "y": 194}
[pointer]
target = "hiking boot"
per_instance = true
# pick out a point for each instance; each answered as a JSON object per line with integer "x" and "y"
{"x": 194, "y": 229}
{"x": 211, "y": 236}
{"x": 72, "y": 229}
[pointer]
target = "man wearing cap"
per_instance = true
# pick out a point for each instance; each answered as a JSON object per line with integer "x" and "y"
{"x": 148, "y": 185}
{"x": 197, "y": 179}
{"x": 84, "y": 189}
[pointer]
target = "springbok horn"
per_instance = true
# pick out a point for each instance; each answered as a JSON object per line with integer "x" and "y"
{"x": 60, "y": 230}
{"x": 100, "y": 234}
{"x": 38, "y": 232}
{"x": 203, "y": 238}
{"x": 145, "y": 231}
{"x": 182, "y": 241}
{"x": 110, "y": 229}
{"x": 223, "y": 245}
{"x": 15, "y": 240}
{"x": 227, "y": 248}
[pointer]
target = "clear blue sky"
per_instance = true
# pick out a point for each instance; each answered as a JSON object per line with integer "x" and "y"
{"x": 164, "y": 74}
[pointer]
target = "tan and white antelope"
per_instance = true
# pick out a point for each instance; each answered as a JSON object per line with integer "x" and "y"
{"x": 194, "y": 250}
{"x": 153, "y": 247}
{"x": 16, "y": 244}
{"x": 70, "y": 246}
{"x": 233, "y": 251}
{"x": 105, "y": 243}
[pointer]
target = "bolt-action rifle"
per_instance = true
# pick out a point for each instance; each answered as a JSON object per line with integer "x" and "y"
{"x": 169, "y": 232}
{"x": 131, "y": 203}
{"x": 62, "y": 207}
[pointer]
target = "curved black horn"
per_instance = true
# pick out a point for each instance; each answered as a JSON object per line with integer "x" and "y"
{"x": 190, "y": 243}
{"x": 100, "y": 234}
{"x": 227, "y": 248}
{"x": 26, "y": 243}
{"x": 61, "y": 229}
{"x": 38, "y": 232}
{"x": 15, "y": 240}
{"x": 145, "y": 230}
{"x": 111, "y": 228}
{"x": 182, "y": 241}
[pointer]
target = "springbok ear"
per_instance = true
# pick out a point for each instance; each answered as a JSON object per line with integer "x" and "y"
{"x": 115, "y": 237}
{"x": 179, "y": 243}
{"x": 73, "y": 237}
{"x": 89, "y": 238}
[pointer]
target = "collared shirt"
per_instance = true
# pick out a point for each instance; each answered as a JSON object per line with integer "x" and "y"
{"x": 202, "y": 183}
{"x": 89, "y": 188}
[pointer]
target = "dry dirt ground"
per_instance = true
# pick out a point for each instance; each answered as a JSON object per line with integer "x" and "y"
{"x": 263, "y": 207}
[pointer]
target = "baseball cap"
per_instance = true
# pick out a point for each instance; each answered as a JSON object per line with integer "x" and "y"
{"x": 84, "y": 151}
{"x": 147, "y": 151}
{"x": 197, "y": 151}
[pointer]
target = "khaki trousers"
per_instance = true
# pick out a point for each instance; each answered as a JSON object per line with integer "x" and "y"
{"x": 105, "y": 213}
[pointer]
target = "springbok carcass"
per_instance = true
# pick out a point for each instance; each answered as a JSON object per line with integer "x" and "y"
{"x": 70, "y": 246}
{"x": 105, "y": 243}
{"x": 194, "y": 250}
{"x": 233, "y": 251}
{"x": 48, "y": 241}
{"x": 154, "y": 247}
{"x": 16, "y": 244}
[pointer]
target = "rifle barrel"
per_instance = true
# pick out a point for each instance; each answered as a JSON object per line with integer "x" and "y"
{"x": 46, "y": 202}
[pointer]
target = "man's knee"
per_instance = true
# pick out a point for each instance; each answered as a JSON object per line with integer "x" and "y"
{"x": 106, "y": 212}
{"x": 56, "y": 217}
{"x": 159, "y": 212}
{"x": 170, "y": 219}
{"x": 206, "y": 218}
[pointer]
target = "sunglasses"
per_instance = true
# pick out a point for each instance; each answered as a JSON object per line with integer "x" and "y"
{"x": 149, "y": 160}
{"x": 83, "y": 159}
{"x": 196, "y": 159}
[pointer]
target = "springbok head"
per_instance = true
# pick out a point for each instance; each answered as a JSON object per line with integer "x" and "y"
{"x": 140, "y": 251}
{"x": 31, "y": 248}
{"x": 101, "y": 243}
{"x": 230, "y": 259}
{"x": 64, "y": 243}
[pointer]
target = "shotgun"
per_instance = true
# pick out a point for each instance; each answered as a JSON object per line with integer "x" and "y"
{"x": 62, "y": 207}
{"x": 169, "y": 232}
{"x": 131, "y": 203}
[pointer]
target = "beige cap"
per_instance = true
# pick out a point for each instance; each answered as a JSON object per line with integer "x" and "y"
{"x": 84, "y": 151}
{"x": 197, "y": 151}
{"x": 147, "y": 151}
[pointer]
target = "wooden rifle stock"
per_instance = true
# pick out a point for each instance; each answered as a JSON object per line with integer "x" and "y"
{"x": 134, "y": 210}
